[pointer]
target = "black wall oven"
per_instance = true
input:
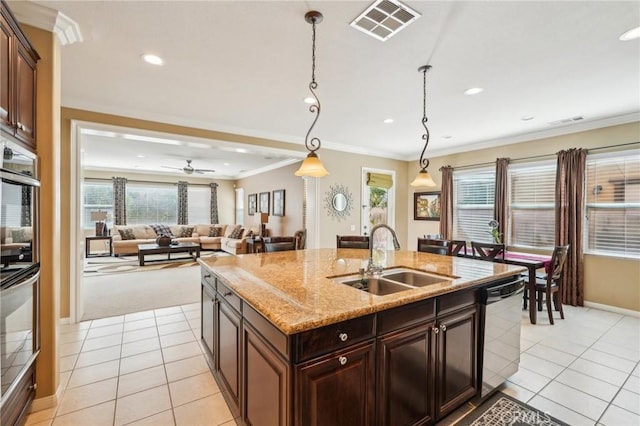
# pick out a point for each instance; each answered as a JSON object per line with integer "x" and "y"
{"x": 19, "y": 273}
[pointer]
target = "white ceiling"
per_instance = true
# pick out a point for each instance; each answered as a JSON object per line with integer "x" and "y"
{"x": 244, "y": 67}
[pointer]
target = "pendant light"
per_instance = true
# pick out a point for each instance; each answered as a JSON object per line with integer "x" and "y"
{"x": 424, "y": 178}
{"x": 312, "y": 166}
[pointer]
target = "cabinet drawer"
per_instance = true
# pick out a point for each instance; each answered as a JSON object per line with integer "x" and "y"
{"x": 332, "y": 337}
{"x": 404, "y": 316}
{"x": 207, "y": 277}
{"x": 229, "y": 296}
{"x": 458, "y": 300}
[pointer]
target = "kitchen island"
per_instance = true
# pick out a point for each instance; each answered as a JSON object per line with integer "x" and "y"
{"x": 290, "y": 344}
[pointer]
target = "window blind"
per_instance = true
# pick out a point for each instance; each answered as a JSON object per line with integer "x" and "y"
{"x": 199, "y": 200}
{"x": 152, "y": 203}
{"x": 474, "y": 195}
{"x": 613, "y": 204}
{"x": 532, "y": 205}
{"x": 97, "y": 196}
{"x": 379, "y": 180}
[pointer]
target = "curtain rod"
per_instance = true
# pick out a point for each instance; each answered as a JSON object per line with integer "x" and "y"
{"x": 533, "y": 157}
{"x": 150, "y": 181}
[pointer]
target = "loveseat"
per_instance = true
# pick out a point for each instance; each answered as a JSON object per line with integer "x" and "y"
{"x": 15, "y": 237}
{"x": 220, "y": 239}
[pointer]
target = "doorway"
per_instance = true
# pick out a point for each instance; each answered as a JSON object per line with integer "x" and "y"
{"x": 378, "y": 203}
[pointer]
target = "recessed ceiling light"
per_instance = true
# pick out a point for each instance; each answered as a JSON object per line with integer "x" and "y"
{"x": 388, "y": 120}
{"x": 309, "y": 100}
{"x": 152, "y": 59}
{"x": 241, "y": 150}
{"x": 447, "y": 137}
{"x": 151, "y": 139}
{"x": 473, "y": 91}
{"x": 527, "y": 117}
{"x": 226, "y": 164}
{"x": 94, "y": 132}
{"x": 139, "y": 156}
{"x": 631, "y": 34}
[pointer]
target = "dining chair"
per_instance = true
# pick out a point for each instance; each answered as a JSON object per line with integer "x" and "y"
{"x": 457, "y": 248}
{"x": 352, "y": 241}
{"x": 301, "y": 239}
{"x": 432, "y": 242}
{"x": 272, "y": 244}
{"x": 435, "y": 249}
{"x": 551, "y": 284}
{"x": 487, "y": 251}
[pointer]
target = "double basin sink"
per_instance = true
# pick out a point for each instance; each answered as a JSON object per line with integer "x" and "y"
{"x": 392, "y": 281}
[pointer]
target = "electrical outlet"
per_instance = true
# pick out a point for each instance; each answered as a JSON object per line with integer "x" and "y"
{"x": 353, "y": 227}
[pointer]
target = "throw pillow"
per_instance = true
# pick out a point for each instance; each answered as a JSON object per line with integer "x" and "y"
{"x": 237, "y": 232}
{"x": 215, "y": 231}
{"x": 162, "y": 230}
{"x": 127, "y": 234}
{"x": 186, "y": 232}
{"x": 18, "y": 236}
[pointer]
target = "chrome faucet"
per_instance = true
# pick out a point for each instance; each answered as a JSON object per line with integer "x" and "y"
{"x": 371, "y": 268}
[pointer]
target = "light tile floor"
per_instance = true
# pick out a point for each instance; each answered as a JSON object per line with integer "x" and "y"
{"x": 148, "y": 368}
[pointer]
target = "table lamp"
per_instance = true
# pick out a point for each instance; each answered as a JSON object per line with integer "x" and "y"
{"x": 264, "y": 219}
{"x": 99, "y": 217}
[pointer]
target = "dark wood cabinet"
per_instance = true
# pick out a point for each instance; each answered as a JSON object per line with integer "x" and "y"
{"x": 209, "y": 302}
{"x": 338, "y": 388}
{"x": 18, "y": 62}
{"x": 456, "y": 359}
{"x": 227, "y": 352}
{"x": 266, "y": 383}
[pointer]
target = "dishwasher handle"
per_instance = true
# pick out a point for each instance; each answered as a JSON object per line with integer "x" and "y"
{"x": 502, "y": 291}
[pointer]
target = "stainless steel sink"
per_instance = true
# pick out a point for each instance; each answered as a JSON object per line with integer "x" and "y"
{"x": 414, "y": 278}
{"x": 379, "y": 286}
{"x": 392, "y": 281}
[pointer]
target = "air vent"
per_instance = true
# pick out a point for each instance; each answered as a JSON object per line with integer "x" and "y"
{"x": 566, "y": 120}
{"x": 384, "y": 18}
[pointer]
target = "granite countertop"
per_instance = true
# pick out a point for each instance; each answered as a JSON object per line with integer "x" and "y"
{"x": 295, "y": 290}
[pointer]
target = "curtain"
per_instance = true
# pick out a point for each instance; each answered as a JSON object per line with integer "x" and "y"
{"x": 183, "y": 203}
{"x": 570, "y": 177}
{"x": 25, "y": 217}
{"x": 119, "y": 200}
{"x": 379, "y": 180}
{"x": 501, "y": 197}
{"x": 214, "y": 202}
{"x": 446, "y": 203}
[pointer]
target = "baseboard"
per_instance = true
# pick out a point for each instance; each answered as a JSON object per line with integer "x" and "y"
{"x": 65, "y": 321}
{"x": 47, "y": 402}
{"x": 610, "y": 308}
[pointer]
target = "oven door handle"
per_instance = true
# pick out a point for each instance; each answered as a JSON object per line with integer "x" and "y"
{"x": 18, "y": 178}
{"x": 27, "y": 281}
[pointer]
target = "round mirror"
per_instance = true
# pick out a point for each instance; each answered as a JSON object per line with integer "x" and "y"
{"x": 339, "y": 202}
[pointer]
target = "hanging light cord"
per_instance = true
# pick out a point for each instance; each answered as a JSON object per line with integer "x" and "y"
{"x": 313, "y": 144}
{"x": 424, "y": 162}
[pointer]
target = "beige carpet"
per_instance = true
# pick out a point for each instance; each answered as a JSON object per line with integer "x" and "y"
{"x": 126, "y": 264}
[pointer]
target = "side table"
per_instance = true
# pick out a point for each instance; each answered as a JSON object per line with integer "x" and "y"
{"x": 255, "y": 245}
{"x": 87, "y": 245}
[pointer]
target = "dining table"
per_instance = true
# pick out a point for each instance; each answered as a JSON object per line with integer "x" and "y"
{"x": 532, "y": 262}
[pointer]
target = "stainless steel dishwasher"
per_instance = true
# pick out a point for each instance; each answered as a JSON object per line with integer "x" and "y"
{"x": 501, "y": 313}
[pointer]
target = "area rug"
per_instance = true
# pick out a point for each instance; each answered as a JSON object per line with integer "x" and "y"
{"x": 502, "y": 409}
{"x": 125, "y": 264}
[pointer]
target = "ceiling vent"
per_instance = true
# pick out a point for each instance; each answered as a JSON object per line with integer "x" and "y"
{"x": 384, "y": 18}
{"x": 566, "y": 120}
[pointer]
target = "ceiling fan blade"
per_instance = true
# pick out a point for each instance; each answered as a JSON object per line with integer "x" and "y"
{"x": 174, "y": 168}
{"x": 205, "y": 171}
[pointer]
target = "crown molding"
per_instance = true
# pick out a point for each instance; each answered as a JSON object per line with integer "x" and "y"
{"x": 29, "y": 13}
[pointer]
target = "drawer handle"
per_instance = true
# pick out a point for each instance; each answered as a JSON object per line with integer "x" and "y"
{"x": 207, "y": 275}
{"x": 343, "y": 337}
{"x": 342, "y": 360}
{"x": 227, "y": 294}
{"x": 436, "y": 330}
{"x": 443, "y": 327}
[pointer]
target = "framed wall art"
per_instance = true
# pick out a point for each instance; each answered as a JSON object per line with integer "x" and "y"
{"x": 264, "y": 202}
{"x": 426, "y": 205}
{"x": 252, "y": 204}
{"x": 278, "y": 203}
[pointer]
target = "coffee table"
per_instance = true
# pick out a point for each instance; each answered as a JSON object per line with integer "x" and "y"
{"x": 145, "y": 249}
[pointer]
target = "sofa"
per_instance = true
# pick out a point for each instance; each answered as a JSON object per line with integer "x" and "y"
{"x": 15, "y": 237}
{"x": 145, "y": 234}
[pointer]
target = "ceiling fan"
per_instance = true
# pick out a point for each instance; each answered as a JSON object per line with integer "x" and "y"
{"x": 188, "y": 169}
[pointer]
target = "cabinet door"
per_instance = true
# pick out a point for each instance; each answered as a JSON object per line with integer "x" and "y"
{"x": 456, "y": 360}
{"x": 6, "y": 89}
{"x": 227, "y": 353}
{"x": 337, "y": 389}
{"x": 209, "y": 302}
{"x": 25, "y": 96}
{"x": 266, "y": 387}
{"x": 405, "y": 377}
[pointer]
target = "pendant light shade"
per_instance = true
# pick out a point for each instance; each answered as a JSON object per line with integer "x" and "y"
{"x": 312, "y": 166}
{"x": 424, "y": 178}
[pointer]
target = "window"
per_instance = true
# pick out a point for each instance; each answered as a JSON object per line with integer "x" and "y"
{"x": 98, "y": 196}
{"x": 199, "y": 204}
{"x": 532, "y": 205}
{"x": 474, "y": 194}
{"x": 613, "y": 204}
{"x": 239, "y": 205}
{"x": 151, "y": 203}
